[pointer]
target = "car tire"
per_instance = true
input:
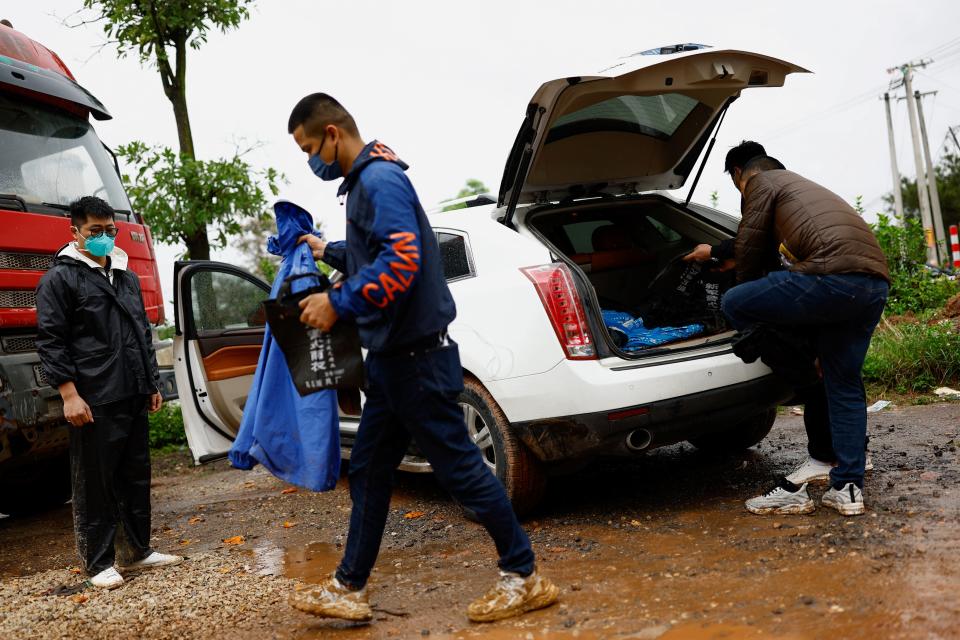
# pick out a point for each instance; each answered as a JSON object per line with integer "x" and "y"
{"x": 505, "y": 455}
{"x": 742, "y": 436}
{"x": 42, "y": 486}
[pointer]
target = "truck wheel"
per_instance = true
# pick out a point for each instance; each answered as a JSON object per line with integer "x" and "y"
{"x": 742, "y": 436}
{"x": 505, "y": 455}
{"x": 41, "y": 486}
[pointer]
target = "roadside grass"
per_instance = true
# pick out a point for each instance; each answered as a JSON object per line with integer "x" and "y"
{"x": 916, "y": 357}
{"x": 166, "y": 429}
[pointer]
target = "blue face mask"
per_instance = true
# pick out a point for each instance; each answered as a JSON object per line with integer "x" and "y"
{"x": 323, "y": 170}
{"x": 99, "y": 246}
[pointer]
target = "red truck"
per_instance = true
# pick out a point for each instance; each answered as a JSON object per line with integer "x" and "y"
{"x": 50, "y": 155}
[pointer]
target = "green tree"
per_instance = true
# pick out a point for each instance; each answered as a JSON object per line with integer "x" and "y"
{"x": 913, "y": 288}
{"x": 472, "y": 187}
{"x": 948, "y": 187}
{"x": 179, "y": 196}
{"x": 161, "y": 33}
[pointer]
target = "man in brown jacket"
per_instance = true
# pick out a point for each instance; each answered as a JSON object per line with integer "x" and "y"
{"x": 835, "y": 282}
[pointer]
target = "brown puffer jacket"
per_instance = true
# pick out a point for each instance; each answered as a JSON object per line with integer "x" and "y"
{"x": 812, "y": 227}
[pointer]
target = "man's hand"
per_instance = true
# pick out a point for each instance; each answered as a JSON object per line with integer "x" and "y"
{"x": 156, "y": 401}
{"x": 700, "y": 253}
{"x": 317, "y": 245}
{"x": 75, "y": 410}
{"x": 318, "y": 312}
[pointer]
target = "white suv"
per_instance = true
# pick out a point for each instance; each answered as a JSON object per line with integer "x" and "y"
{"x": 579, "y": 228}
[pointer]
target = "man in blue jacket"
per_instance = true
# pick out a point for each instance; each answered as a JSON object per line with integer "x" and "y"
{"x": 396, "y": 294}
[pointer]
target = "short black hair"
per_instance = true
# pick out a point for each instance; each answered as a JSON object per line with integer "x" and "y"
{"x": 90, "y": 207}
{"x": 763, "y": 163}
{"x": 317, "y": 110}
{"x": 740, "y": 155}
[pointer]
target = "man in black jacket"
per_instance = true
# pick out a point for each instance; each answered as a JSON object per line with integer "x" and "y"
{"x": 95, "y": 346}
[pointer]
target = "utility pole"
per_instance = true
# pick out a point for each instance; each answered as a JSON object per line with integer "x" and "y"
{"x": 922, "y": 194}
{"x": 931, "y": 179}
{"x": 954, "y": 136}
{"x": 897, "y": 194}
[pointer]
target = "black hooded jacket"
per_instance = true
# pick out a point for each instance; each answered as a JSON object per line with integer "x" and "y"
{"x": 94, "y": 333}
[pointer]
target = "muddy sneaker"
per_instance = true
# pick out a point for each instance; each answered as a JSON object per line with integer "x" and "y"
{"x": 332, "y": 599}
{"x": 785, "y": 498}
{"x": 153, "y": 561}
{"x": 107, "y": 579}
{"x": 513, "y": 595}
{"x": 848, "y": 499}
{"x": 812, "y": 470}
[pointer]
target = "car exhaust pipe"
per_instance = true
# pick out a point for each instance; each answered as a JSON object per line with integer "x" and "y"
{"x": 639, "y": 439}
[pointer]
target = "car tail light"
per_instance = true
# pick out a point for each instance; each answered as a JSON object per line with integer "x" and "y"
{"x": 554, "y": 284}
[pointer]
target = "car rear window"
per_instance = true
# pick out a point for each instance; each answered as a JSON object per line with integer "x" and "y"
{"x": 657, "y": 116}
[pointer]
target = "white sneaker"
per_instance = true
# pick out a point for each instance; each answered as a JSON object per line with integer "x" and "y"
{"x": 848, "y": 500}
{"x": 153, "y": 560}
{"x": 785, "y": 498}
{"x": 811, "y": 470}
{"x": 107, "y": 579}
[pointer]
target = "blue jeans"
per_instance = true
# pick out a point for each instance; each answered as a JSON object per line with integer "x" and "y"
{"x": 414, "y": 395}
{"x": 844, "y": 309}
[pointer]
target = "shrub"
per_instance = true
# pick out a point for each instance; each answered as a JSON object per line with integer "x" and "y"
{"x": 913, "y": 288}
{"x": 914, "y": 357}
{"x": 166, "y": 427}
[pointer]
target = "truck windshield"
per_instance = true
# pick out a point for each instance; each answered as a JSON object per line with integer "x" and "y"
{"x": 51, "y": 158}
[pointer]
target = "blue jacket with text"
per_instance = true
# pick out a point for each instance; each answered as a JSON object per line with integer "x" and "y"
{"x": 395, "y": 290}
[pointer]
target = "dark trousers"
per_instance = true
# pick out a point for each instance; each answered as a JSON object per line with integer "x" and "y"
{"x": 110, "y": 469}
{"x": 816, "y": 421}
{"x": 414, "y": 395}
{"x": 844, "y": 309}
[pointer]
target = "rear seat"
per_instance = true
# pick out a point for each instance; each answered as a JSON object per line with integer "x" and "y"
{"x": 612, "y": 249}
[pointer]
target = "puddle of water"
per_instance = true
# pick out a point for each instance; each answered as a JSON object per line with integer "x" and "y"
{"x": 310, "y": 563}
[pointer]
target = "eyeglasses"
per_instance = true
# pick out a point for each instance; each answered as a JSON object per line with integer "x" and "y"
{"x": 111, "y": 232}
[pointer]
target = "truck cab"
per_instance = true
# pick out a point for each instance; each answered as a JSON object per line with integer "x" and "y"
{"x": 51, "y": 156}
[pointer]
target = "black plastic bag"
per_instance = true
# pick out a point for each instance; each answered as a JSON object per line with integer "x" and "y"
{"x": 316, "y": 360}
{"x": 686, "y": 293}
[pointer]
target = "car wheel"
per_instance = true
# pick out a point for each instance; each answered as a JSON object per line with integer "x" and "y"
{"x": 504, "y": 454}
{"x": 742, "y": 436}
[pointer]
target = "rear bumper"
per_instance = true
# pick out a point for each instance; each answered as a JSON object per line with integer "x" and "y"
{"x": 667, "y": 421}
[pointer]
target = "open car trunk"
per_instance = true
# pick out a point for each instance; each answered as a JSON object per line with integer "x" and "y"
{"x": 627, "y": 251}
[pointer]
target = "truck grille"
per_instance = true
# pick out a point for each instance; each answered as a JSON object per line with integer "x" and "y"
{"x": 40, "y": 375}
{"x": 19, "y": 344}
{"x": 25, "y": 261}
{"x": 17, "y": 299}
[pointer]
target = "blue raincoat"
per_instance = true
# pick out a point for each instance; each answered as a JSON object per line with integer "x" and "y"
{"x": 297, "y": 438}
{"x": 640, "y": 337}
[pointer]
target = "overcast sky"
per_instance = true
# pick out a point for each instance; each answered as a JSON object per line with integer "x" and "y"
{"x": 445, "y": 83}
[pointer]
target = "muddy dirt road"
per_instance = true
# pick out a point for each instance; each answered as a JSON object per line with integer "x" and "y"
{"x": 660, "y": 547}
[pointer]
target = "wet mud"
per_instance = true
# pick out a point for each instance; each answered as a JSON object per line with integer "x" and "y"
{"x": 656, "y": 547}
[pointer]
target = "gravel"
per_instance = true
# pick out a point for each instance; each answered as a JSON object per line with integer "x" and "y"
{"x": 212, "y": 594}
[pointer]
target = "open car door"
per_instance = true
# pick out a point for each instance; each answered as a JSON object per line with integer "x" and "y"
{"x": 219, "y": 334}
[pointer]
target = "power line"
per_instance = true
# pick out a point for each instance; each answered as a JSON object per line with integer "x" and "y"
{"x": 942, "y": 48}
{"x": 849, "y": 103}
{"x": 936, "y": 79}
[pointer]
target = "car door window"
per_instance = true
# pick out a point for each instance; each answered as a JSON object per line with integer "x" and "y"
{"x": 665, "y": 232}
{"x": 222, "y": 300}
{"x": 581, "y": 234}
{"x": 455, "y": 256}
